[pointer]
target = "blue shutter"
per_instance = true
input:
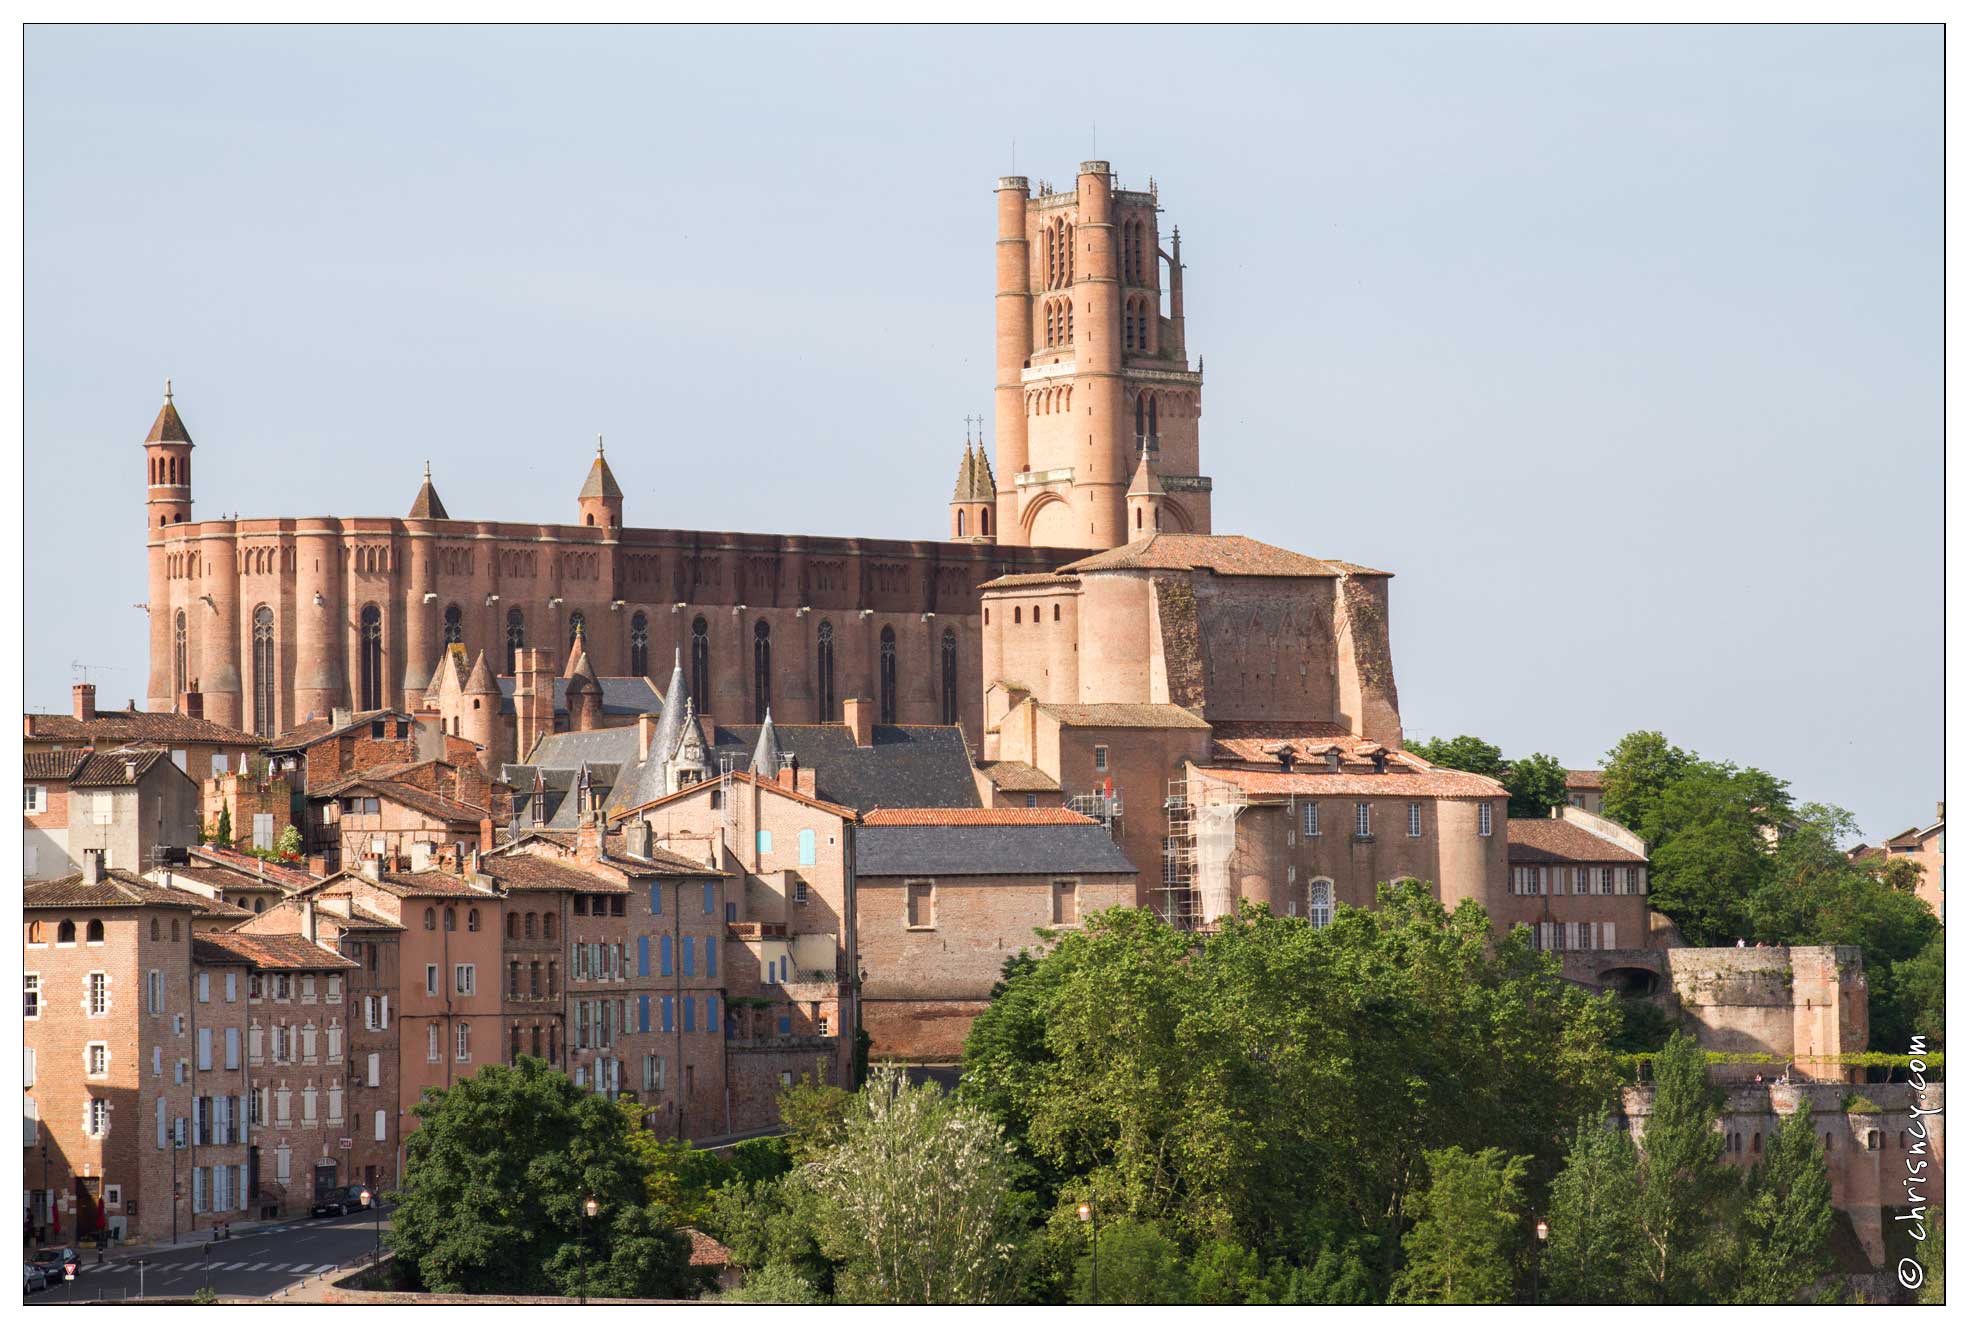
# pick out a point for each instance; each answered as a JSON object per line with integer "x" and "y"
{"x": 710, "y": 897}
{"x": 711, "y": 1014}
{"x": 642, "y": 960}
{"x": 642, "y": 1013}
{"x": 710, "y": 957}
{"x": 665, "y": 958}
{"x": 785, "y": 1024}
{"x": 668, "y": 1022}
{"x": 690, "y": 957}
{"x": 806, "y": 849}
{"x": 656, "y": 897}
{"x": 690, "y": 1015}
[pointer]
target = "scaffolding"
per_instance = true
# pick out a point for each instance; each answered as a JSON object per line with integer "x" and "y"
{"x": 1103, "y": 806}
{"x": 1178, "y": 903}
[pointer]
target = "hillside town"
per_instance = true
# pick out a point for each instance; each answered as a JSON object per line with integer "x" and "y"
{"x": 709, "y": 827}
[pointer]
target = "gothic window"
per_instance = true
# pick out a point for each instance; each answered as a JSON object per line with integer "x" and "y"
{"x": 515, "y": 637}
{"x": 950, "y": 676}
{"x": 1154, "y": 433}
{"x": 762, "y": 671}
{"x": 824, "y": 668}
{"x": 984, "y": 521}
{"x": 639, "y": 644}
{"x": 178, "y": 655}
{"x": 888, "y": 711}
{"x": 263, "y": 673}
{"x": 1052, "y": 258}
{"x": 700, "y": 662}
{"x": 960, "y": 526}
{"x": 454, "y": 625}
{"x": 577, "y": 627}
{"x": 1141, "y": 420}
{"x": 372, "y": 658}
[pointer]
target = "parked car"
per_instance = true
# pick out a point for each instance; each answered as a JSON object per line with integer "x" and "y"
{"x": 341, "y": 1200}
{"x": 51, "y": 1259}
{"x": 36, "y": 1280}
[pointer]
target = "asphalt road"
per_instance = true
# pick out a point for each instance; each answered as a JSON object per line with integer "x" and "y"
{"x": 253, "y": 1264}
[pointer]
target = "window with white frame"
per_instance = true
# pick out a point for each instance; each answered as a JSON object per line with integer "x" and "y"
{"x": 154, "y": 992}
{"x": 34, "y": 798}
{"x": 1311, "y": 819}
{"x": 96, "y": 1058}
{"x": 1582, "y": 881}
{"x": 465, "y": 979}
{"x": 1606, "y": 881}
{"x": 1363, "y": 820}
{"x": 464, "y": 1040}
{"x": 1627, "y": 876}
{"x": 1319, "y": 902}
{"x": 1100, "y": 756}
{"x": 433, "y": 1047}
{"x": 31, "y": 996}
{"x": 1483, "y": 819}
{"x": 1414, "y": 820}
{"x": 430, "y": 980}
{"x": 98, "y": 994}
{"x": 97, "y": 1121}
{"x": 205, "y": 987}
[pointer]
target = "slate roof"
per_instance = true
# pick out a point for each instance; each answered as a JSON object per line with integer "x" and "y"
{"x": 54, "y": 764}
{"x": 975, "y": 817}
{"x": 1124, "y": 715}
{"x": 984, "y": 851}
{"x": 265, "y": 951}
{"x": 1018, "y": 777}
{"x": 1552, "y": 840}
{"x": 135, "y": 726}
{"x": 1225, "y": 555}
{"x": 621, "y": 695}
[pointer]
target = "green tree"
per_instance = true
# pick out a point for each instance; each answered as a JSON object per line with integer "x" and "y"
{"x": 1786, "y": 1221}
{"x": 1338, "y": 1276}
{"x": 776, "y": 1284}
{"x": 1928, "y": 1253}
{"x": 1139, "y": 1265}
{"x": 1465, "y": 752}
{"x": 916, "y": 1199}
{"x": 1537, "y": 784}
{"x": 1226, "y": 1273}
{"x": 775, "y": 1222}
{"x": 1918, "y": 985}
{"x": 495, "y": 1177}
{"x": 1685, "y": 1186}
{"x": 1710, "y": 831}
{"x": 815, "y": 1116}
{"x": 1468, "y": 1223}
{"x": 222, "y": 835}
{"x": 1637, "y": 770}
{"x": 288, "y": 843}
{"x": 1593, "y": 1219}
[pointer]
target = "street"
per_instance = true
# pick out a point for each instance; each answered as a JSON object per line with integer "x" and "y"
{"x": 253, "y": 1264}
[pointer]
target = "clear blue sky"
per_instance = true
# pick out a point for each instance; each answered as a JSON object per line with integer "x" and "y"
{"x": 1621, "y": 346}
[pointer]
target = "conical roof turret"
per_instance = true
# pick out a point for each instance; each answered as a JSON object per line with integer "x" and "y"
{"x": 1146, "y": 481}
{"x": 601, "y": 481}
{"x": 427, "y": 504}
{"x": 670, "y": 722}
{"x": 967, "y": 476}
{"x": 984, "y": 485}
{"x": 765, "y": 754}
{"x": 481, "y": 682}
{"x": 167, "y": 427}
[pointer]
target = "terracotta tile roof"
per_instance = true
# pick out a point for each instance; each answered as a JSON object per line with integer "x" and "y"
{"x": 265, "y": 951}
{"x": 167, "y": 427}
{"x": 232, "y": 858}
{"x": 106, "y": 770}
{"x": 57, "y": 764}
{"x": 974, "y": 817}
{"x": 427, "y": 505}
{"x": 117, "y": 889}
{"x": 615, "y": 850}
{"x": 1397, "y": 782}
{"x": 771, "y": 785}
{"x": 1014, "y": 580}
{"x": 1124, "y": 715}
{"x": 1552, "y": 840}
{"x": 708, "y": 1251}
{"x": 313, "y": 731}
{"x": 428, "y": 883}
{"x": 1018, "y": 777}
{"x": 224, "y": 877}
{"x": 531, "y": 872}
{"x": 133, "y": 726}
{"x": 441, "y": 806}
{"x": 1586, "y": 779}
{"x": 1256, "y": 740}
{"x": 1225, "y": 555}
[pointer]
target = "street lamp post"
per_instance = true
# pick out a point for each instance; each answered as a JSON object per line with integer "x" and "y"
{"x": 1089, "y": 1216}
{"x": 589, "y": 1208}
{"x": 375, "y": 1201}
{"x": 1544, "y": 1230}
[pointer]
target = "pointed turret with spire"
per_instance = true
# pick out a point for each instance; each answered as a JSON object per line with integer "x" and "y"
{"x": 601, "y": 496}
{"x": 427, "y": 503}
{"x": 1144, "y": 500}
{"x": 975, "y": 493}
{"x": 584, "y": 690}
{"x": 766, "y": 752}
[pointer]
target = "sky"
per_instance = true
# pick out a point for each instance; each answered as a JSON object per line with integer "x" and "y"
{"x": 1620, "y": 346}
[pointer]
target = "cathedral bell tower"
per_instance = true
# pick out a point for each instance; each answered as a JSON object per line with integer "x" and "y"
{"x": 167, "y": 455}
{"x": 167, "y": 503}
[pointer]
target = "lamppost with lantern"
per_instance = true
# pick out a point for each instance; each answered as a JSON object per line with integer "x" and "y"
{"x": 589, "y": 1208}
{"x": 371, "y": 1199}
{"x": 1543, "y": 1231}
{"x": 1092, "y": 1218}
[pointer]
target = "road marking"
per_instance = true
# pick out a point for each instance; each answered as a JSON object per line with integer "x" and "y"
{"x": 231, "y": 1267}
{"x": 261, "y": 1265}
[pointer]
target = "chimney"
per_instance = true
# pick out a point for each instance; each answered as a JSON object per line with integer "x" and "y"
{"x": 308, "y": 929}
{"x": 488, "y": 839}
{"x": 420, "y": 856}
{"x": 84, "y": 697}
{"x": 858, "y": 713}
{"x": 789, "y": 775}
{"x": 317, "y": 865}
{"x": 372, "y": 866}
{"x": 339, "y": 716}
{"x": 164, "y": 878}
{"x": 636, "y": 839}
{"x": 587, "y": 840}
{"x": 803, "y": 781}
{"x": 645, "y": 734}
{"x": 92, "y": 866}
{"x": 533, "y": 699}
{"x": 192, "y": 704}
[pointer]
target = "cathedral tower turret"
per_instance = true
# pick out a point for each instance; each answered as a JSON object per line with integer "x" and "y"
{"x": 167, "y": 503}
{"x": 974, "y": 498}
{"x": 601, "y": 496}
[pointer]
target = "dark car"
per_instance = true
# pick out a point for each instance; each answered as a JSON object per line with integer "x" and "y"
{"x": 53, "y": 1261}
{"x": 341, "y": 1200}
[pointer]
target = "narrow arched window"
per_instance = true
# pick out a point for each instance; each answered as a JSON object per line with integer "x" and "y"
{"x": 700, "y": 662}
{"x": 824, "y": 669}
{"x": 1141, "y": 421}
{"x": 762, "y": 671}
{"x": 372, "y": 658}
{"x": 950, "y": 676}
{"x": 960, "y": 523}
{"x": 65, "y": 934}
{"x": 984, "y": 521}
{"x": 263, "y": 672}
{"x": 178, "y": 656}
{"x": 450, "y": 919}
{"x": 1154, "y": 432}
{"x": 454, "y": 625}
{"x": 515, "y": 638}
{"x": 639, "y": 644}
{"x": 888, "y": 710}
{"x": 577, "y": 627}
{"x": 94, "y": 932}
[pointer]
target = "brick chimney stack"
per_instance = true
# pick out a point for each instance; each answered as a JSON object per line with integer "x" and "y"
{"x": 84, "y": 699}
{"x": 859, "y": 715}
{"x": 645, "y": 731}
{"x": 192, "y": 703}
{"x": 533, "y": 698}
{"x": 92, "y": 860}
